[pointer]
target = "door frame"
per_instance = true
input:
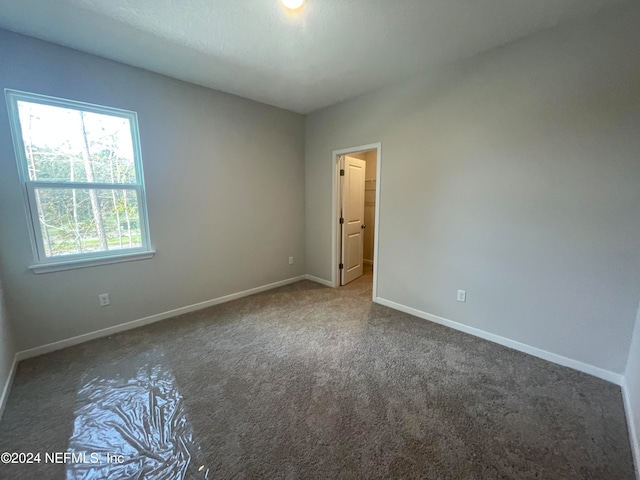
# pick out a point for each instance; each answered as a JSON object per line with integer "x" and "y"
{"x": 335, "y": 210}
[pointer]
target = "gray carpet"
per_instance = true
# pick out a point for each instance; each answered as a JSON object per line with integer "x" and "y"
{"x": 311, "y": 382}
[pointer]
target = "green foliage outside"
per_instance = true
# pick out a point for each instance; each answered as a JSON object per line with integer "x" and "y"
{"x": 89, "y": 147}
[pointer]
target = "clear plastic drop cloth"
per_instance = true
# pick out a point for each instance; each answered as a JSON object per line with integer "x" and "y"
{"x": 131, "y": 423}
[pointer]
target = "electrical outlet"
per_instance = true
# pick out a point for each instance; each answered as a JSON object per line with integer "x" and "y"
{"x": 290, "y": 260}
{"x": 104, "y": 299}
{"x": 462, "y": 295}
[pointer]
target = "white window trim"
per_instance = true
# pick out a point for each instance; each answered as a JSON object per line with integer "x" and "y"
{"x": 90, "y": 262}
{"x": 44, "y": 264}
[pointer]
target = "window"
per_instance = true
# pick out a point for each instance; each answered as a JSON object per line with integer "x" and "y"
{"x": 81, "y": 169}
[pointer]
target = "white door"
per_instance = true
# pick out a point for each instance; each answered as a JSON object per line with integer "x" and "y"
{"x": 353, "y": 219}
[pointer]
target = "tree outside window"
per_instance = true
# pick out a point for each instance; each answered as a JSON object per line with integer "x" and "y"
{"x": 82, "y": 172}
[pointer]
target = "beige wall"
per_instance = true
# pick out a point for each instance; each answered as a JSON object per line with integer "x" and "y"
{"x": 370, "y": 203}
{"x": 371, "y": 159}
{"x": 225, "y": 194}
{"x": 514, "y": 176}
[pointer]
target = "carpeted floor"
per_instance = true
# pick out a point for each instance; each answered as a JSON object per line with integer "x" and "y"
{"x": 311, "y": 382}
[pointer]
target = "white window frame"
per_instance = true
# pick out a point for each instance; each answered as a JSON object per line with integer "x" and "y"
{"x": 44, "y": 264}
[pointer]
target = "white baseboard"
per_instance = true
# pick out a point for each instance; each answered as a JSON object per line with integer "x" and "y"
{"x": 319, "y": 280}
{"x": 105, "y": 332}
{"x": 7, "y": 384}
{"x": 507, "y": 342}
{"x": 633, "y": 428}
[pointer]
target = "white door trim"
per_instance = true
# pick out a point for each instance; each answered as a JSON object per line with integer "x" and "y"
{"x": 335, "y": 215}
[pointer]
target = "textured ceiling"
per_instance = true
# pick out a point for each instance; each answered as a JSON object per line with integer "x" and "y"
{"x": 329, "y": 51}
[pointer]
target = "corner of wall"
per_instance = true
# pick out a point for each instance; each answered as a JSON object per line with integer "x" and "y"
{"x": 7, "y": 354}
{"x": 631, "y": 394}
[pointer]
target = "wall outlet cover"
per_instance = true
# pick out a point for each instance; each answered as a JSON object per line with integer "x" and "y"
{"x": 104, "y": 299}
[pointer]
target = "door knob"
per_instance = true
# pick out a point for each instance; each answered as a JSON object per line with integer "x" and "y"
{"x": 363, "y": 226}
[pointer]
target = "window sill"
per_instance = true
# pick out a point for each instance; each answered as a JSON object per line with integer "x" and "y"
{"x": 90, "y": 262}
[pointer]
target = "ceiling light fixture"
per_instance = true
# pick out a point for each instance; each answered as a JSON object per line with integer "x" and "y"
{"x": 292, "y": 4}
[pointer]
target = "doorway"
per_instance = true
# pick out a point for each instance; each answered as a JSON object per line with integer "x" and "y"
{"x": 356, "y": 202}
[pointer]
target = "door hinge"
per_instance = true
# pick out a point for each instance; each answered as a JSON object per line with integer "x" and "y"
{"x": 341, "y": 221}
{"x": 341, "y": 266}
{"x": 342, "y": 172}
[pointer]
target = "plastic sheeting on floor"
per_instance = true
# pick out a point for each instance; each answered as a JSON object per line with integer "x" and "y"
{"x": 131, "y": 423}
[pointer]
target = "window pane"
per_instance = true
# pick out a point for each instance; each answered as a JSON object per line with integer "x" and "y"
{"x": 67, "y": 145}
{"x": 88, "y": 220}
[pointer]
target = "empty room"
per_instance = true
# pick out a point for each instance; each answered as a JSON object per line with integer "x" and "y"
{"x": 308, "y": 239}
